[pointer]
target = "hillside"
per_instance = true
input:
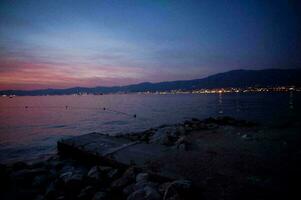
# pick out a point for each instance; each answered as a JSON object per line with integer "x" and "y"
{"x": 235, "y": 78}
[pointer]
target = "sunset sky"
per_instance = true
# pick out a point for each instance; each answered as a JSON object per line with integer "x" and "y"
{"x": 60, "y": 44}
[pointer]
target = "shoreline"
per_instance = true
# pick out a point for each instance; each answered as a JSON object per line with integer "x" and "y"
{"x": 213, "y": 158}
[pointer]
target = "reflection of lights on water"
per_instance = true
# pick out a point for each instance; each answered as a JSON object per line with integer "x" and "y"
{"x": 291, "y": 100}
{"x": 220, "y": 103}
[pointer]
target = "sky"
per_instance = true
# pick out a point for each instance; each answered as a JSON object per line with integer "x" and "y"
{"x": 61, "y": 44}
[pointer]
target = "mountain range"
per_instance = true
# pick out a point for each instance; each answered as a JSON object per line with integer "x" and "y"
{"x": 235, "y": 78}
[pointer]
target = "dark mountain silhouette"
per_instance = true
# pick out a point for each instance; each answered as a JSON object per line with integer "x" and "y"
{"x": 235, "y": 78}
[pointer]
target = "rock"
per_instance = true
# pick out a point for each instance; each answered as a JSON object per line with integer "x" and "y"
{"x": 40, "y": 181}
{"x": 40, "y": 164}
{"x": 66, "y": 168}
{"x": 65, "y": 176}
{"x": 23, "y": 194}
{"x": 212, "y": 126}
{"x": 19, "y": 165}
{"x": 94, "y": 173}
{"x": 128, "y": 177}
{"x": 202, "y": 126}
{"x": 51, "y": 191}
{"x": 86, "y": 193}
{"x": 61, "y": 197}
{"x": 104, "y": 169}
{"x": 39, "y": 197}
{"x": 143, "y": 184}
{"x": 99, "y": 196}
{"x": 151, "y": 193}
{"x": 137, "y": 195}
{"x": 182, "y": 143}
{"x": 177, "y": 189}
{"x": 128, "y": 189}
{"x": 182, "y": 147}
{"x": 142, "y": 177}
{"x": 195, "y": 126}
{"x": 246, "y": 137}
{"x": 181, "y": 130}
{"x": 146, "y": 193}
{"x": 188, "y": 128}
{"x": 57, "y": 165}
{"x": 163, "y": 187}
{"x": 113, "y": 173}
{"x": 182, "y": 140}
{"x": 72, "y": 180}
{"x": 25, "y": 177}
{"x": 98, "y": 173}
{"x": 164, "y": 136}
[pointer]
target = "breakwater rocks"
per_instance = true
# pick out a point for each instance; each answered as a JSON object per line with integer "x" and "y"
{"x": 177, "y": 135}
{"x": 61, "y": 178}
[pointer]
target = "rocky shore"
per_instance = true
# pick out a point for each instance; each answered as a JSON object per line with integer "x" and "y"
{"x": 62, "y": 178}
{"x": 177, "y": 135}
{"x": 214, "y": 158}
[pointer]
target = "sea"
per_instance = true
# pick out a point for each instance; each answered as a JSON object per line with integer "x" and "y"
{"x": 30, "y": 126}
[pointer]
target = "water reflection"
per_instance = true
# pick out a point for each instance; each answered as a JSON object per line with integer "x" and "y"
{"x": 220, "y": 104}
{"x": 291, "y": 100}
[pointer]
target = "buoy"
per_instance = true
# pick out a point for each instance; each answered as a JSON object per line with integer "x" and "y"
{"x": 135, "y": 115}
{"x": 104, "y": 108}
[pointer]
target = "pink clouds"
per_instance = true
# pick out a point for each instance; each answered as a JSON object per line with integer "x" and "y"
{"x": 24, "y": 75}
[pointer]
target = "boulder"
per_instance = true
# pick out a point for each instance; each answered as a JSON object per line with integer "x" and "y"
{"x": 182, "y": 143}
{"x": 143, "y": 184}
{"x": 146, "y": 193}
{"x": 39, "y": 197}
{"x": 246, "y": 137}
{"x": 99, "y": 196}
{"x": 128, "y": 177}
{"x": 142, "y": 177}
{"x": 40, "y": 181}
{"x": 86, "y": 193}
{"x": 113, "y": 173}
{"x": 72, "y": 180}
{"x": 94, "y": 173}
{"x": 178, "y": 189}
{"x": 19, "y": 165}
{"x": 182, "y": 140}
{"x": 51, "y": 191}
{"x": 24, "y": 194}
{"x": 181, "y": 130}
{"x": 182, "y": 147}
{"x": 25, "y": 177}
{"x": 164, "y": 136}
{"x": 129, "y": 189}
{"x": 62, "y": 197}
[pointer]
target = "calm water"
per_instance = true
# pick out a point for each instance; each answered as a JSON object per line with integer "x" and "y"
{"x": 30, "y": 126}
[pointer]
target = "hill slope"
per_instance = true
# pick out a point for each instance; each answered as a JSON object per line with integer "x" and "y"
{"x": 235, "y": 78}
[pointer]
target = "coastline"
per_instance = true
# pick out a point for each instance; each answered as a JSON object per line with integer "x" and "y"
{"x": 213, "y": 158}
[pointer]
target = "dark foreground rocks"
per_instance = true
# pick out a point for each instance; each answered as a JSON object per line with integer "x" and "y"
{"x": 61, "y": 178}
{"x": 213, "y": 159}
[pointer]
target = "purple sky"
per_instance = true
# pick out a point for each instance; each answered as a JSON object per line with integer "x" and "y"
{"x": 59, "y": 44}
